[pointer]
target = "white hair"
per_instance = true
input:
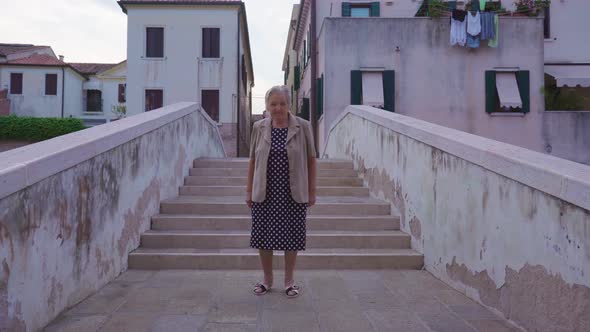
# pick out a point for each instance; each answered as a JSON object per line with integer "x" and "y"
{"x": 278, "y": 89}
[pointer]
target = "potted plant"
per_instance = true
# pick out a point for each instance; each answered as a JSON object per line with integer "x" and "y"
{"x": 437, "y": 8}
{"x": 120, "y": 111}
{"x": 530, "y": 7}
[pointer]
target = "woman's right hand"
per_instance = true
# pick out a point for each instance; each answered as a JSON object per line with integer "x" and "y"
{"x": 249, "y": 200}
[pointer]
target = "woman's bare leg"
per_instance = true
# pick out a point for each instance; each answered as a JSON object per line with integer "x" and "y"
{"x": 266, "y": 261}
{"x": 290, "y": 258}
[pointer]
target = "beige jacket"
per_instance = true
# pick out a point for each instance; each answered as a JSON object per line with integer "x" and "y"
{"x": 300, "y": 147}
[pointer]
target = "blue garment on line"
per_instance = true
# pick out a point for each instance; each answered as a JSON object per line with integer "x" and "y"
{"x": 472, "y": 41}
{"x": 488, "y": 28}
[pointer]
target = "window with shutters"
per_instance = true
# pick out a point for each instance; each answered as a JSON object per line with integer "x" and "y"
{"x": 16, "y": 83}
{"x": 121, "y": 94}
{"x": 154, "y": 98}
{"x": 507, "y": 91}
{"x": 51, "y": 84}
{"x": 373, "y": 88}
{"x": 366, "y": 9}
{"x": 210, "y": 103}
{"x": 154, "y": 42}
{"x": 211, "y": 42}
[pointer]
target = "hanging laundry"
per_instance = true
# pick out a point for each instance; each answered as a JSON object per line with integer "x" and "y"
{"x": 458, "y": 28}
{"x": 472, "y": 41}
{"x": 488, "y": 30}
{"x": 482, "y": 5}
{"x": 474, "y": 24}
{"x": 494, "y": 42}
{"x": 459, "y": 15}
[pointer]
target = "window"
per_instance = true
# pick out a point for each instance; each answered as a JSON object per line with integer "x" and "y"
{"x": 372, "y": 88}
{"x": 154, "y": 42}
{"x": 16, "y": 83}
{"x": 211, "y": 42}
{"x": 154, "y": 98}
{"x": 210, "y": 103}
{"x": 547, "y": 23}
{"x": 121, "y": 95}
{"x": 369, "y": 9}
{"x": 51, "y": 84}
{"x": 507, "y": 91}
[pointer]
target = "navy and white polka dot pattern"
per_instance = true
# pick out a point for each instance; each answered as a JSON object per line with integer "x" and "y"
{"x": 278, "y": 223}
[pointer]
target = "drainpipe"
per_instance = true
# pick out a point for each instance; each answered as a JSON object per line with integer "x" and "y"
{"x": 314, "y": 74}
{"x": 238, "y": 83}
{"x": 63, "y": 90}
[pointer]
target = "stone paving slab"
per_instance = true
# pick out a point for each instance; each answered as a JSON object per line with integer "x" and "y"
{"x": 366, "y": 300}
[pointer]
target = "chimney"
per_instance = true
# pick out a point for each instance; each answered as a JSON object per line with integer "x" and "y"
{"x": 61, "y": 58}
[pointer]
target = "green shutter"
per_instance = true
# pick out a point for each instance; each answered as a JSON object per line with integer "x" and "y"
{"x": 320, "y": 96}
{"x": 491, "y": 92}
{"x": 356, "y": 87}
{"x": 375, "y": 9}
{"x": 305, "y": 54}
{"x": 524, "y": 87}
{"x": 389, "y": 90}
{"x": 305, "y": 109}
{"x": 296, "y": 78}
{"x": 346, "y": 9}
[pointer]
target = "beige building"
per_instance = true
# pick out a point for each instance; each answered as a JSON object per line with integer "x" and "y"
{"x": 379, "y": 53}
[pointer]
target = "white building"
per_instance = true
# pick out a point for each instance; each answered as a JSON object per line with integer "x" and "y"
{"x": 39, "y": 84}
{"x": 196, "y": 51}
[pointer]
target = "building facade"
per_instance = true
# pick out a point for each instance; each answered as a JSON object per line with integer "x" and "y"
{"x": 37, "y": 83}
{"x": 196, "y": 51}
{"x": 378, "y": 53}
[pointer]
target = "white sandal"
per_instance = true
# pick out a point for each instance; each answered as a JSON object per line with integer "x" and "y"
{"x": 292, "y": 291}
{"x": 261, "y": 289}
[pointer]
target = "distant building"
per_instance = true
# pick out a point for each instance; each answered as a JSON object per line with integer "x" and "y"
{"x": 197, "y": 51}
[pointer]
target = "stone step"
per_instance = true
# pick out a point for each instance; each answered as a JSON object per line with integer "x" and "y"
{"x": 180, "y": 222}
{"x": 352, "y": 206}
{"x": 241, "y": 190}
{"x": 247, "y": 259}
{"x": 241, "y": 181}
{"x": 241, "y": 239}
{"x": 243, "y": 163}
{"x": 243, "y": 172}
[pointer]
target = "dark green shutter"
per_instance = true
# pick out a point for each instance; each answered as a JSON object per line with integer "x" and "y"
{"x": 375, "y": 9}
{"x": 491, "y": 92}
{"x": 524, "y": 87}
{"x": 356, "y": 87}
{"x": 305, "y": 109}
{"x": 320, "y": 96}
{"x": 346, "y": 9}
{"x": 389, "y": 90}
{"x": 296, "y": 78}
{"x": 304, "y": 54}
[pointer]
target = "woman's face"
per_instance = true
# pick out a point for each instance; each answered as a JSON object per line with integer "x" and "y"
{"x": 277, "y": 105}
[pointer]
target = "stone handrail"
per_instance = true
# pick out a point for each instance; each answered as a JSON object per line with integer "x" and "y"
{"x": 507, "y": 226}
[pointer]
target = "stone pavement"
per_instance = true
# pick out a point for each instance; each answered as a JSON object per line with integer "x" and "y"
{"x": 181, "y": 300}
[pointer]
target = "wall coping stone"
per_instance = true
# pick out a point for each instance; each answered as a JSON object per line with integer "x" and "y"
{"x": 564, "y": 179}
{"x": 25, "y": 166}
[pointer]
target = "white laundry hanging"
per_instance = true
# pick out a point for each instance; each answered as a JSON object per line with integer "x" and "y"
{"x": 473, "y": 24}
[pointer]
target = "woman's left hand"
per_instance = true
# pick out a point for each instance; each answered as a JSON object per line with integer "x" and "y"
{"x": 311, "y": 200}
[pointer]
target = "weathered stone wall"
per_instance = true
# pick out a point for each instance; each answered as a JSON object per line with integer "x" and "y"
{"x": 507, "y": 226}
{"x": 73, "y": 207}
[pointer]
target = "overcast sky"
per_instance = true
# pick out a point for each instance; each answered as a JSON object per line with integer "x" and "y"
{"x": 96, "y": 31}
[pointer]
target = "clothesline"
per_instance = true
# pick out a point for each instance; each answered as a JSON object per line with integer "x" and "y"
{"x": 498, "y": 12}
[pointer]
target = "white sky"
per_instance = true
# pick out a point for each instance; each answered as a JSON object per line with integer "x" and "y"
{"x": 96, "y": 31}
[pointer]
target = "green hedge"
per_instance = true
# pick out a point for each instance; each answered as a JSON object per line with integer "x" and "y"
{"x": 37, "y": 129}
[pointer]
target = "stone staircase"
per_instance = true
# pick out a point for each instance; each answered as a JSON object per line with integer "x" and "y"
{"x": 208, "y": 225}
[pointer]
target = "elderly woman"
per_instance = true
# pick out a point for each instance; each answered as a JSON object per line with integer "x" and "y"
{"x": 281, "y": 186}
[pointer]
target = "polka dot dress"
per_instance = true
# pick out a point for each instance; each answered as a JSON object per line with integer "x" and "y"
{"x": 278, "y": 223}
